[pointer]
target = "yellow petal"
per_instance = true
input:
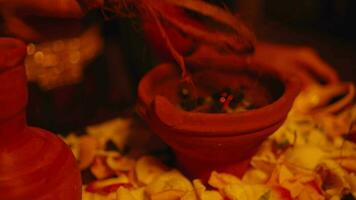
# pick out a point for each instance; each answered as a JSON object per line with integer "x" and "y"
{"x": 87, "y": 149}
{"x": 203, "y": 194}
{"x": 255, "y": 176}
{"x": 169, "y": 181}
{"x": 285, "y": 175}
{"x": 244, "y": 192}
{"x": 306, "y": 156}
{"x": 148, "y": 168}
{"x": 124, "y": 194}
{"x": 168, "y": 195}
{"x": 220, "y": 180}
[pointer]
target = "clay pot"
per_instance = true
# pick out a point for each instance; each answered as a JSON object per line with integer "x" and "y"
{"x": 35, "y": 164}
{"x": 204, "y": 142}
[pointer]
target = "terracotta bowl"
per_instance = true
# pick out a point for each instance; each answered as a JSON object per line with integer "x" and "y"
{"x": 224, "y": 142}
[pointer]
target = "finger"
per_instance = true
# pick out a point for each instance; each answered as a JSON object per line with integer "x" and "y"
{"x": 305, "y": 78}
{"x": 209, "y": 57}
{"x": 348, "y": 89}
{"x": 313, "y": 63}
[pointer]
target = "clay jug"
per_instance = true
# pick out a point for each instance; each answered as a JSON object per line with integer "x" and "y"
{"x": 34, "y": 164}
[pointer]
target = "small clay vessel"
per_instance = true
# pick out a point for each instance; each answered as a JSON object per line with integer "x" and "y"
{"x": 224, "y": 142}
{"x": 34, "y": 164}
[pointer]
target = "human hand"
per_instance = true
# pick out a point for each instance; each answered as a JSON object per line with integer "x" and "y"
{"x": 304, "y": 60}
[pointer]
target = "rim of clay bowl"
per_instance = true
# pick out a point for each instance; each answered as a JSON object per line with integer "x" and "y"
{"x": 217, "y": 124}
